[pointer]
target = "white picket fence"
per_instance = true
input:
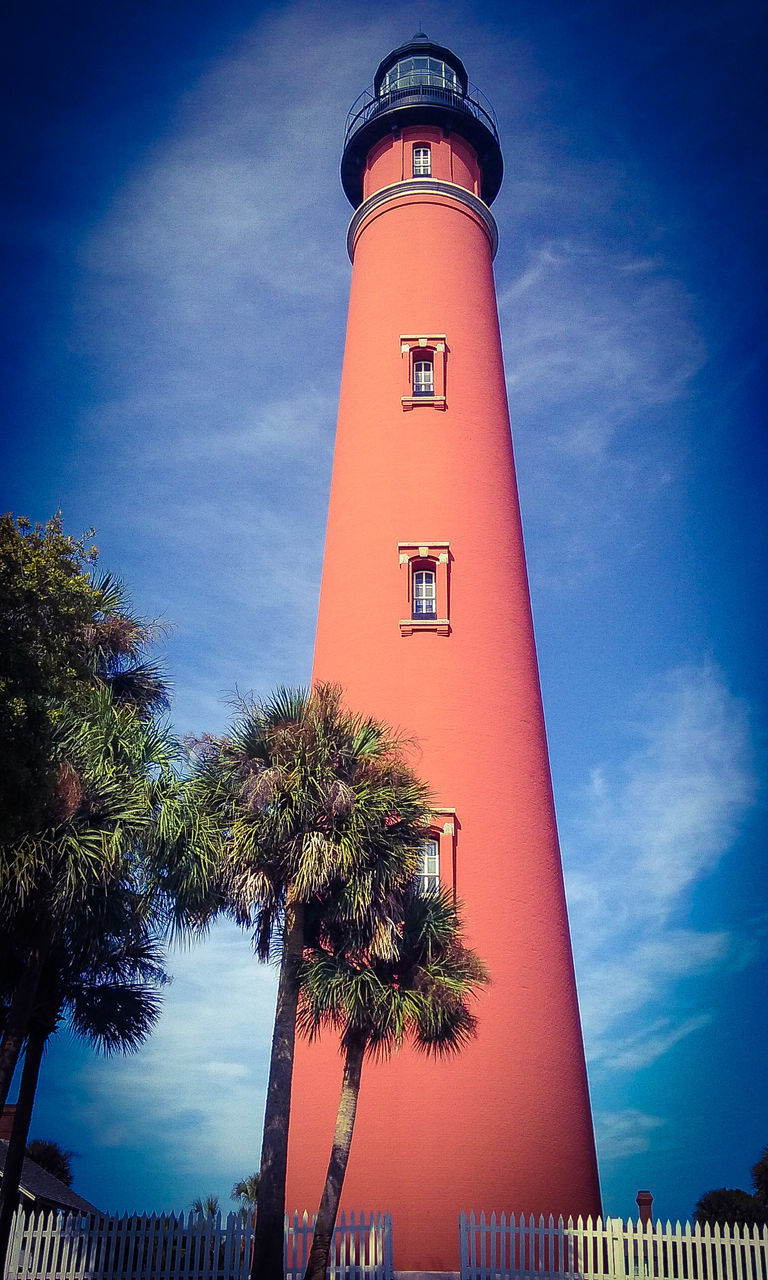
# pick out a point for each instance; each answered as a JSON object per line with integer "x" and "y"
{"x": 362, "y": 1248}
{"x": 508, "y": 1248}
{"x": 50, "y": 1246}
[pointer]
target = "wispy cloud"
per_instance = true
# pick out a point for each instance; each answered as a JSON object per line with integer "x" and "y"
{"x": 641, "y": 1048}
{"x": 625, "y": 1133}
{"x": 214, "y": 292}
{"x": 195, "y": 1093}
{"x": 645, "y": 831}
{"x": 599, "y": 349}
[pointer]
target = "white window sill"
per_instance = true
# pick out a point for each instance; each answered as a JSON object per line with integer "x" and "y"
{"x": 440, "y": 625}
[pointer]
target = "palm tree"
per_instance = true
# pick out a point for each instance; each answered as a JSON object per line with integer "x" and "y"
{"x": 114, "y": 771}
{"x": 421, "y": 992}
{"x": 760, "y": 1178}
{"x": 116, "y": 645}
{"x": 109, "y": 765}
{"x": 47, "y": 598}
{"x": 107, "y": 831}
{"x": 100, "y": 975}
{"x": 246, "y": 1191}
{"x": 205, "y": 1206}
{"x": 315, "y": 809}
{"x": 50, "y": 1156}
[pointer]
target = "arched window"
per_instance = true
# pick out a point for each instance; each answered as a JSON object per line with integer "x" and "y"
{"x": 422, "y": 162}
{"x": 426, "y": 590}
{"x": 424, "y": 593}
{"x": 424, "y": 360}
{"x": 423, "y": 377}
{"x": 429, "y": 876}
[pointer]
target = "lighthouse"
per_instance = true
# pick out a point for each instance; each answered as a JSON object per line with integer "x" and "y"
{"x": 425, "y": 621}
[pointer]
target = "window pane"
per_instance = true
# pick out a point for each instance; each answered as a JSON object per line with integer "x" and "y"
{"x": 411, "y": 72}
{"x": 429, "y": 875}
{"x": 424, "y": 594}
{"x": 422, "y": 161}
{"x": 423, "y": 378}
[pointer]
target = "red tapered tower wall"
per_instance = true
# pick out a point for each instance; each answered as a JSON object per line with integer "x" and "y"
{"x": 428, "y": 481}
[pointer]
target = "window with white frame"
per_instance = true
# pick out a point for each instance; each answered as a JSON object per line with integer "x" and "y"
{"x": 422, "y": 162}
{"x": 428, "y": 878}
{"x": 424, "y": 357}
{"x": 424, "y": 593}
{"x": 423, "y": 378}
{"x": 425, "y": 584}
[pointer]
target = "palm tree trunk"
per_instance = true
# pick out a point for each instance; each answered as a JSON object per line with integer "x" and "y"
{"x": 267, "y": 1260}
{"x": 17, "y": 1022}
{"x": 337, "y": 1165}
{"x": 14, "y": 1160}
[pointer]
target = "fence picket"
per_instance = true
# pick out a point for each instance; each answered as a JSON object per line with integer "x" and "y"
{"x": 738, "y": 1254}
{"x": 51, "y": 1246}
{"x": 501, "y": 1248}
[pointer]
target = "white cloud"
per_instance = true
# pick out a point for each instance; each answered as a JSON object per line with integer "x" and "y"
{"x": 645, "y": 1046}
{"x": 599, "y": 350}
{"x": 644, "y": 833}
{"x": 625, "y": 1133}
{"x": 214, "y": 291}
{"x": 196, "y": 1089}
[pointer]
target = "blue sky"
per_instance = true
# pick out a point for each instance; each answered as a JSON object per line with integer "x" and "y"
{"x": 176, "y": 284}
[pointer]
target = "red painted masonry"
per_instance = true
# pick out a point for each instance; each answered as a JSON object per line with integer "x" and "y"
{"x": 430, "y": 482}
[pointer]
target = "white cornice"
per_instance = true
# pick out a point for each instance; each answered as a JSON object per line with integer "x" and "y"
{"x": 423, "y": 187}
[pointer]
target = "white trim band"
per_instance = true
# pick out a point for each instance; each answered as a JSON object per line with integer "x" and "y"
{"x": 421, "y": 187}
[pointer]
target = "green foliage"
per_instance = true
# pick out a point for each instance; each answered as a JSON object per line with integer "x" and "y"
{"x": 88, "y": 871}
{"x": 246, "y": 1192}
{"x": 82, "y": 724}
{"x": 760, "y": 1178}
{"x": 47, "y": 600}
{"x": 63, "y": 635}
{"x": 110, "y": 771}
{"x": 205, "y": 1207}
{"x": 104, "y": 970}
{"x": 85, "y": 879}
{"x": 50, "y": 1156}
{"x": 306, "y": 802}
{"x": 732, "y": 1206}
{"x": 421, "y": 989}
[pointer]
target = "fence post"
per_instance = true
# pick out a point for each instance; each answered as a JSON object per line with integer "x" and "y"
{"x": 463, "y": 1259}
{"x": 616, "y": 1264}
{"x": 389, "y": 1260}
{"x": 14, "y": 1248}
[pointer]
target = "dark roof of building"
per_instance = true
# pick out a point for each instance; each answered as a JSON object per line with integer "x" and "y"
{"x": 44, "y": 1189}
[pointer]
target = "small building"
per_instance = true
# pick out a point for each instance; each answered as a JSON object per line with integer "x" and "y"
{"x": 39, "y": 1189}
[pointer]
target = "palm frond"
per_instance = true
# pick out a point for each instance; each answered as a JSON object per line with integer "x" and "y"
{"x": 116, "y": 1018}
{"x": 141, "y": 685}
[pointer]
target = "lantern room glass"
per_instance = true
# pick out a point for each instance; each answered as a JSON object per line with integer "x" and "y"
{"x": 410, "y": 73}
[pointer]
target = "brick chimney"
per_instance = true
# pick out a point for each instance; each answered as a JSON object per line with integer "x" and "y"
{"x": 6, "y": 1122}
{"x": 644, "y": 1202}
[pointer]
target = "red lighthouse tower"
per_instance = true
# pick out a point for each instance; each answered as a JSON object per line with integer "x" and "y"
{"x": 425, "y": 620}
